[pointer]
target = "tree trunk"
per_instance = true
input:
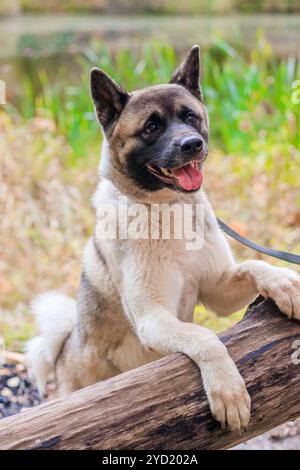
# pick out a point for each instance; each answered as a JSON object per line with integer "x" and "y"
{"x": 163, "y": 405}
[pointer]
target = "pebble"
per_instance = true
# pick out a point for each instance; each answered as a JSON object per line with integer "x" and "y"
{"x": 17, "y": 393}
{"x": 5, "y": 392}
{"x": 13, "y": 382}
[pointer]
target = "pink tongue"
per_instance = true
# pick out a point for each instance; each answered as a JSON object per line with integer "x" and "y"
{"x": 189, "y": 177}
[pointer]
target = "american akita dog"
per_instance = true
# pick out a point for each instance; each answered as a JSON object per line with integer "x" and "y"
{"x": 137, "y": 296}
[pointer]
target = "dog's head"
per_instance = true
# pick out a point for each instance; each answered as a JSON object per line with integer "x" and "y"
{"x": 157, "y": 136}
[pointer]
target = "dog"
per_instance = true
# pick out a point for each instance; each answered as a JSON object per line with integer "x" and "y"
{"x": 136, "y": 298}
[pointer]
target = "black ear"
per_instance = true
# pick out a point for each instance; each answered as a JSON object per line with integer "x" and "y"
{"x": 109, "y": 98}
{"x": 188, "y": 72}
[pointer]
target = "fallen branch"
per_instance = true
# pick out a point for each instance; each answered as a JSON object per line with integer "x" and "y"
{"x": 163, "y": 406}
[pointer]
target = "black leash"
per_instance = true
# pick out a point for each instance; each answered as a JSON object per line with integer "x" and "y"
{"x": 284, "y": 255}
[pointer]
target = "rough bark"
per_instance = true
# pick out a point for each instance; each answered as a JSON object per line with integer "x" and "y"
{"x": 163, "y": 405}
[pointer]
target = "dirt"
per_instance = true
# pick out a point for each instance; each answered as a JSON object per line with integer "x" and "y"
{"x": 284, "y": 437}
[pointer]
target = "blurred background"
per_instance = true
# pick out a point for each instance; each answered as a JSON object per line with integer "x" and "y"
{"x": 50, "y": 142}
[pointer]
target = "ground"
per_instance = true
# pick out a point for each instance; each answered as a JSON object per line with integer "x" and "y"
{"x": 284, "y": 437}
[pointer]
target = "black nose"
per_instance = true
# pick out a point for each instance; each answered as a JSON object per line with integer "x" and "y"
{"x": 191, "y": 145}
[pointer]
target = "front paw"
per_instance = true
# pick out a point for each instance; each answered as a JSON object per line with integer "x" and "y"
{"x": 228, "y": 398}
{"x": 283, "y": 286}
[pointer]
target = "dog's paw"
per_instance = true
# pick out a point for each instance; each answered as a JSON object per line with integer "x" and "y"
{"x": 228, "y": 398}
{"x": 283, "y": 286}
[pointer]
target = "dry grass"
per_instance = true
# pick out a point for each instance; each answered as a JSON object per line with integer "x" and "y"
{"x": 46, "y": 216}
{"x": 45, "y": 220}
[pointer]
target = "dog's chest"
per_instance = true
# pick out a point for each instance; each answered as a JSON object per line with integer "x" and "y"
{"x": 177, "y": 275}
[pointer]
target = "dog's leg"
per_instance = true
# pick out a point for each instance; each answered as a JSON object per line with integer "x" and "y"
{"x": 80, "y": 364}
{"x": 228, "y": 287}
{"x": 147, "y": 305}
{"x": 84, "y": 359}
{"x": 239, "y": 284}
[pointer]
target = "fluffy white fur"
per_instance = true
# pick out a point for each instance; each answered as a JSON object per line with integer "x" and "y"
{"x": 56, "y": 316}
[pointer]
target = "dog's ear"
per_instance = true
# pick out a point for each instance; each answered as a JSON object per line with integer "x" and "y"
{"x": 109, "y": 98}
{"x": 188, "y": 73}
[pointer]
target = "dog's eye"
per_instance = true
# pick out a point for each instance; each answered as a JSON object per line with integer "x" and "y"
{"x": 190, "y": 117}
{"x": 150, "y": 127}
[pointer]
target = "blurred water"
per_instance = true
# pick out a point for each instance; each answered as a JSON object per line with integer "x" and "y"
{"x": 31, "y": 42}
{"x": 47, "y": 34}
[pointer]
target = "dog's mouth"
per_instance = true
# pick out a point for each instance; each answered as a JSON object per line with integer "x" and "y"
{"x": 188, "y": 177}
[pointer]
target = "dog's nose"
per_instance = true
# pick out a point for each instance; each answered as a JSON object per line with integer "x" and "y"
{"x": 191, "y": 145}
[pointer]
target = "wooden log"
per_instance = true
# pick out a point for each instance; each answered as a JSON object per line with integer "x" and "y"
{"x": 163, "y": 405}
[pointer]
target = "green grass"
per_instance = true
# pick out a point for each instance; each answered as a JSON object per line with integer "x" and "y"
{"x": 249, "y": 98}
